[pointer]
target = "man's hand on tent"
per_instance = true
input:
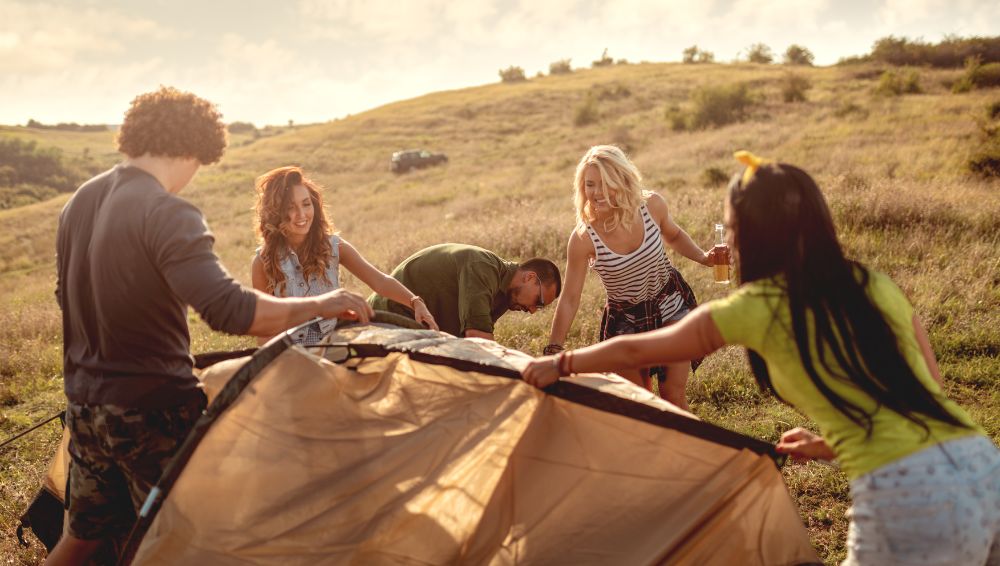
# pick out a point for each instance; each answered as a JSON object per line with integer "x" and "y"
{"x": 802, "y": 444}
{"x": 347, "y": 305}
{"x": 542, "y": 372}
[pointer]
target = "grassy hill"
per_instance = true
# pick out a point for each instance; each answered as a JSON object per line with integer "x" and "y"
{"x": 893, "y": 168}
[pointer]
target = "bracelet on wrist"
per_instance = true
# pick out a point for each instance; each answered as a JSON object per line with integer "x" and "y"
{"x": 553, "y": 349}
{"x": 414, "y": 299}
{"x": 564, "y": 363}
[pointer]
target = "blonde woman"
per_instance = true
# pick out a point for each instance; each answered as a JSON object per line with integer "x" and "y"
{"x": 300, "y": 254}
{"x": 621, "y": 233}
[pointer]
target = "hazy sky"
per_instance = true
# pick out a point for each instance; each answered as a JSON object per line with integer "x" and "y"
{"x": 314, "y": 60}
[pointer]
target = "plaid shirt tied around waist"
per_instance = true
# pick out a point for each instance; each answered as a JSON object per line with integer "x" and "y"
{"x": 632, "y": 318}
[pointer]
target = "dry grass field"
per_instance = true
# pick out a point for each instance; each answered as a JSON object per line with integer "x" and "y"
{"x": 891, "y": 167}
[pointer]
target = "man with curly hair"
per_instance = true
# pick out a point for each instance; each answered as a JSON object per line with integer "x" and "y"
{"x": 132, "y": 256}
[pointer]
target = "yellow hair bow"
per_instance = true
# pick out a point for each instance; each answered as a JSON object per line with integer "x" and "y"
{"x": 751, "y": 161}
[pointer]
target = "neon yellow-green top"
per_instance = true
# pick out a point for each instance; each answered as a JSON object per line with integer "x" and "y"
{"x": 756, "y": 316}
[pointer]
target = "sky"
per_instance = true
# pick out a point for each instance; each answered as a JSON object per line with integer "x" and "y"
{"x": 269, "y": 62}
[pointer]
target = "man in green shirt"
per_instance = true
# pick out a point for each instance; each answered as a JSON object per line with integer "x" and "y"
{"x": 468, "y": 288}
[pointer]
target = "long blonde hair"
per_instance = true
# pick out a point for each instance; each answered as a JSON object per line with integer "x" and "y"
{"x": 274, "y": 190}
{"x": 617, "y": 173}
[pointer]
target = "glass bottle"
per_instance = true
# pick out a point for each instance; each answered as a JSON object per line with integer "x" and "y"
{"x": 721, "y": 266}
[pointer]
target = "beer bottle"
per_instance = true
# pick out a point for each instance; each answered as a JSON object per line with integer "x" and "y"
{"x": 721, "y": 257}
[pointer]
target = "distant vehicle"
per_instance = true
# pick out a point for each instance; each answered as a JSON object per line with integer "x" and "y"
{"x": 403, "y": 161}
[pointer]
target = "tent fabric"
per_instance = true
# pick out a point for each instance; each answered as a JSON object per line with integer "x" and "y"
{"x": 393, "y": 460}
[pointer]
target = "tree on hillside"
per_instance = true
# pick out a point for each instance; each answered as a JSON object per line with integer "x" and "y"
{"x": 512, "y": 74}
{"x": 760, "y": 53}
{"x": 560, "y": 67}
{"x": 798, "y": 55}
{"x": 604, "y": 61}
{"x": 694, "y": 55}
{"x": 241, "y": 128}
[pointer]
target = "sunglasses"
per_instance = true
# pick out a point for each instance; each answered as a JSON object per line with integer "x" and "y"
{"x": 541, "y": 296}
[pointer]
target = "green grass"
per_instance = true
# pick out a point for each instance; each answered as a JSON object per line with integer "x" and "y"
{"x": 893, "y": 170}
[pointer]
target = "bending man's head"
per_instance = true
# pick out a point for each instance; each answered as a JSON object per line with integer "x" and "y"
{"x": 536, "y": 284}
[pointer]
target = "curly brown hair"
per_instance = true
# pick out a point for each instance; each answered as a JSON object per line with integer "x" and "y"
{"x": 274, "y": 193}
{"x": 172, "y": 123}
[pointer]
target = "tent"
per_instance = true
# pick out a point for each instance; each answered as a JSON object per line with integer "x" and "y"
{"x": 394, "y": 446}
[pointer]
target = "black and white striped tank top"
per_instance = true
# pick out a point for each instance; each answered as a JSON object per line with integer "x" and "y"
{"x": 640, "y": 275}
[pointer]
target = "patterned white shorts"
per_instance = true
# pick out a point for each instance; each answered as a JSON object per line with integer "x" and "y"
{"x": 938, "y": 506}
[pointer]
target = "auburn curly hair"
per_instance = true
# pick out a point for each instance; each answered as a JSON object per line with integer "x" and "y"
{"x": 172, "y": 123}
{"x": 274, "y": 194}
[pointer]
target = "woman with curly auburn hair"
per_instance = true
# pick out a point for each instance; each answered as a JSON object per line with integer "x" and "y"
{"x": 300, "y": 253}
{"x": 621, "y": 233}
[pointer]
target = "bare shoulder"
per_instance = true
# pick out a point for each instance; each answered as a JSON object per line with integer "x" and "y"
{"x": 580, "y": 244}
{"x": 657, "y": 205}
{"x": 258, "y": 278}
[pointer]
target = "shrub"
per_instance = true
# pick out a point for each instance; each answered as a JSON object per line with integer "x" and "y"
{"x": 993, "y": 110}
{"x": 719, "y": 105}
{"x": 560, "y": 67}
{"x": 694, "y": 55}
{"x": 794, "y": 87}
{"x": 848, "y": 108}
{"x": 985, "y": 162}
{"x": 978, "y": 75}
{"x": 896, "y": 83}
{"x": 23, "y": 195}
{"x": 604, "y": 61}
{"x": 714, "y": 177}
{"x": 26, "y": 163}
{"x": 952, "y": 51}
{"x": 987, "y": 76}
{"x": 613, "y": 91}
{"x": 678, "y": 120}
{"x": 760, "y": 53}
{"x": 512, "y": 74}
{"x": 798, "y": 55}
{"x": 241, "y": 128}
{"x": 587, "y": 112}
{"x": 67, "y": 126}
{"x": 689, "y": 54}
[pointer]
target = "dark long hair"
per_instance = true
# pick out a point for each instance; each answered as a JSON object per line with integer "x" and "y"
{"x": 783, "y": 227}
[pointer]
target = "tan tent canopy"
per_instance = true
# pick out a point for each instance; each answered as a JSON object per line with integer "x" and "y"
{"x": 416, "y": 449}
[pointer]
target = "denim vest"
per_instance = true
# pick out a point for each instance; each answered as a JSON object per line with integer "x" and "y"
{"x": 296, "y": 285}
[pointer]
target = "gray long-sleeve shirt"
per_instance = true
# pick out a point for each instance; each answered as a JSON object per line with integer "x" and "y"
{"x": 131, "y": 258}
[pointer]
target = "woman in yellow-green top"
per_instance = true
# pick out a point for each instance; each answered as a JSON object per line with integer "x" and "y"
{"x": 842, "y": 344}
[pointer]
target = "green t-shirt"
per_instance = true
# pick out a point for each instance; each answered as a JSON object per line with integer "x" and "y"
{"x": 465, "y": 287}
{"x": 756, "y": 316}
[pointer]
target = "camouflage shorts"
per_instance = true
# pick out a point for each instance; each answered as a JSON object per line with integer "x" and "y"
{"x": 116, "y": 456}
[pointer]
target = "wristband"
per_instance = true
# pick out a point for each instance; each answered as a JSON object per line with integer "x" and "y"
{"x": 553, "y": 349}
{"x": 564, "y": 363}
{"x": 414, "y": 299}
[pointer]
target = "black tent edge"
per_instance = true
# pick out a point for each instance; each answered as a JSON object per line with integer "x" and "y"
{"x": 574, "y": 393}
